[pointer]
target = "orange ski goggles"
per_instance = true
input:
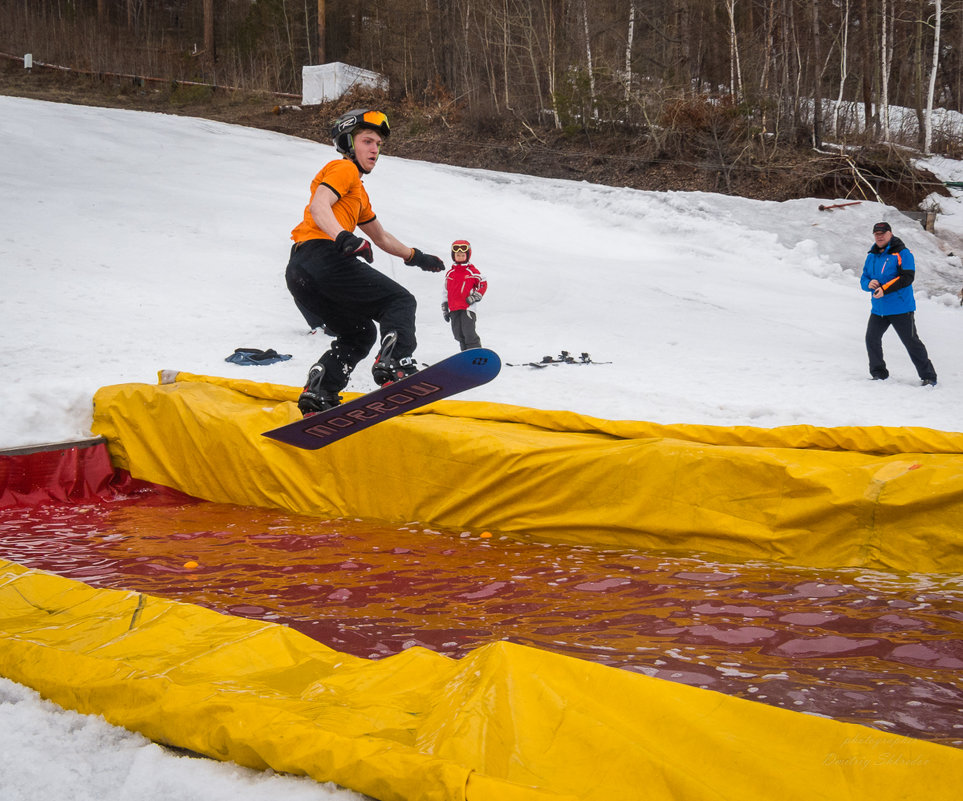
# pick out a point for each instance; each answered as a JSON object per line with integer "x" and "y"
{"x": 376, "y": 119}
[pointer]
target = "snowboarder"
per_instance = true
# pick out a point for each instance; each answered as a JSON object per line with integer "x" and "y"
{"x": 464, "y": 287}
{"x": 329, "y": 273}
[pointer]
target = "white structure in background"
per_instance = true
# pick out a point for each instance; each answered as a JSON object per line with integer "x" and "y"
{"x": 325, "y": 82}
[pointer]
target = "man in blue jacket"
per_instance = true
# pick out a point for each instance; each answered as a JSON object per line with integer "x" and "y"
{"x": 888, "y": 273}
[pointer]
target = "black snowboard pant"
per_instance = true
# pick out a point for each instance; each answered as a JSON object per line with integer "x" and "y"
{"x": 350, "y": 296}
{"x": 905, "y": 325}
{"x": 463, "y": 327}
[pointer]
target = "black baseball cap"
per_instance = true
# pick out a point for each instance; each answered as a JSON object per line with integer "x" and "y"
{"x": 880, "y": 227}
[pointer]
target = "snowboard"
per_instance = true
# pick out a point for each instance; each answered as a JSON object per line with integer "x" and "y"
{"x": 465, "y": 370}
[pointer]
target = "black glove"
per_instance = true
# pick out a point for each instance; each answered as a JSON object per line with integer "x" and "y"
{"x": 351, "y": 245}
{"x": 445, "y": 313}
{"x": 474, "y": 296}
{"x": 426, "y": 261}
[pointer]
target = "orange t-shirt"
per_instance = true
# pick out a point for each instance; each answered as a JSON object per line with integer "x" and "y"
{"x": 352, "y": 207}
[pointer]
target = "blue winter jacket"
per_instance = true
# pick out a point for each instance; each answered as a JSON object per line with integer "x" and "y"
{"x": 893, "y": 265}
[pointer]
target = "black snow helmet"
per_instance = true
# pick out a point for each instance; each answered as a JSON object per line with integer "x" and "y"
{"x": 342, "y": 132}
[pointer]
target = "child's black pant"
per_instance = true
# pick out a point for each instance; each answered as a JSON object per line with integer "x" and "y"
{"x": 463, "y": 327}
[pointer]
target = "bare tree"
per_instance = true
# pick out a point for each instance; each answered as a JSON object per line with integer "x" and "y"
{"x": 843, "y": 65}
{"x": 629, "y": 37}
{"x": 886, "y": 64}
{"x": 506, "y": 54}
{"x": 588, "y": 61}
{"x": 322, "y": 32}
{"x": 735, "y": 68}
{"x": 550, "y": 56}
{"x": 817, "y": 79}
{"x": 928, "y": 117}
{"x": 209, "y": 46}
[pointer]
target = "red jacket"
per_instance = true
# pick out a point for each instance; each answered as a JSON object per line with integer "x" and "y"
{"x": 460, "y": 280}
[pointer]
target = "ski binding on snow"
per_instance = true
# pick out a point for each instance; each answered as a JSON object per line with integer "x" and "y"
{"x": 563, "y": 358}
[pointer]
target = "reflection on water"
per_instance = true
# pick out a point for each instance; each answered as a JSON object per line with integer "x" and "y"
{"x": 880, "y": 649}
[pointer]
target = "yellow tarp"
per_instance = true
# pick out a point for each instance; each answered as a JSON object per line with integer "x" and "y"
{"x": 873, "y": 497}
{"x": 505, "y": 723}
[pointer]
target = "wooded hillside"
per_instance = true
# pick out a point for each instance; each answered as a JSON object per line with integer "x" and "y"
{"x": 727, "y": 84}
{"x": 548, "y": 62}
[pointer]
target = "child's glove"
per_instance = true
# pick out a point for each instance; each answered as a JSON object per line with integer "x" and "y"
{"x": 445, "y": 313}
{"x": 425, "y": 261}
{"x": 474, "y": 296}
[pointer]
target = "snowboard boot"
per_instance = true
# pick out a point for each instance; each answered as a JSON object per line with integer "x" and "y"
{"x": 316, "y": 398}
{"x": 387, "y": 371}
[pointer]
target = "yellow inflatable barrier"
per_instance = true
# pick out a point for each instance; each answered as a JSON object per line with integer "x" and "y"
{"x": 505, "y": 723}
{"x": 889, "y": 498}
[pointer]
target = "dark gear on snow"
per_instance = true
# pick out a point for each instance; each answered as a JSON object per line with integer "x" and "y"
{"x": 248, "y": 356}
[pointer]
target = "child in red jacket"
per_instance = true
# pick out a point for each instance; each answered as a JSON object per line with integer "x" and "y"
{"x": 464, "y": 287}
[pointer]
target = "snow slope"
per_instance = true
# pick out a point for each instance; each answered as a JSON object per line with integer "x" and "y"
{"x": 132, "y": 242}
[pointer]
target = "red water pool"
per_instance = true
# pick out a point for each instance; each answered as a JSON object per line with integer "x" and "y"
{"x": 884, "y": 650}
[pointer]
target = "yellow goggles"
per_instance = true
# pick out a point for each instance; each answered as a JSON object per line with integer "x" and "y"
{"x": 460, "y": 248}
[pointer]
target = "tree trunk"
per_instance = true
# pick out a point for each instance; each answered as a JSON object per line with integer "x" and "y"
{"x": 959, "y": 72}
{"x": 682, "y": 35}
{"x": 886, "y": 63}
{"x": 588, "y": 60}
{"x": 928, "y": 117}
{"x": 843, "y": 67}
{"x": 290, "y": 41}
{"x": 628, "y": 53}
{"x": 919, "y": 100}
{"x": 768, "y": 49}
{"x": 735, "y": 69}
{"x": 209, "y": 52}
{"x": 551, "y": 37}
{"x": 506, "y": 56}
{"x": 865, "y": 29}
{"x": 322, "y": 50}
{"x": 817, "y": 80}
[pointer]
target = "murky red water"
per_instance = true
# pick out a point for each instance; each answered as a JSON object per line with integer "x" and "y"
{"x": 884, "y": 650}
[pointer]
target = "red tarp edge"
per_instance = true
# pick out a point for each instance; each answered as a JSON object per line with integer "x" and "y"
{"x": 64, "y": 475}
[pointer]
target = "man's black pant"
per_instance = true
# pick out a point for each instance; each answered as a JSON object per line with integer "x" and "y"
{"x": 905, "y": 325}
{"x": 349, "y": 295}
